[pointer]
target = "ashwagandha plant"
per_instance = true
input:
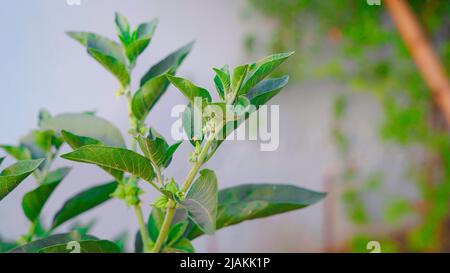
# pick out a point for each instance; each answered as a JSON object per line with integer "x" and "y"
{"x": 183, "y": 211}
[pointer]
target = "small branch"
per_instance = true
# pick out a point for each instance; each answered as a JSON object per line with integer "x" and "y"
{"x": 427, "y": 61}
{"x": 143, "y": 228}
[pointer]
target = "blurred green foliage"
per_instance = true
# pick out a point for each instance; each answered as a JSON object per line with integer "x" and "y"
{"x": 357, "y": 45}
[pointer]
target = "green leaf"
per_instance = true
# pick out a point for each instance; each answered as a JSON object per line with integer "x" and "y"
{"x": 142, "y": 38}
{"x": 83, "y": 202}
{"x": 88, "y": 246}
{"x": 115, "y": 158}
{"x": 105, "y": 51}
{"x": 76, "y": 142}
{"x": 265, "y": 90}
{"x": 1, "y": 160}
{"x": 18, "y": 152}
{"x": 34, "y": 201}
{"x": 11, "y": 177}
{"x": 201, "y": 201}
{"x": 222, "y": 80}
{"x": 153, "y": 149}
{"x": 239, "y": 74}
{"x": 154, "y": 224}
{"x": 169, "y": 153}
{"x": 182, "y": 246}
{"x": 252, "y": 201}
{"x": 169, "y": 63}
{"x": 176, "y": 232}
{"x": 189, "y": 90}
{"x": 29, "y": 142}
{"x": 64, "y": 238}
{"x": 262, "y": 69}
{"x": 88, "y": 126}
{"x": 148, "y": 95}
{"x": 123, "y": 27}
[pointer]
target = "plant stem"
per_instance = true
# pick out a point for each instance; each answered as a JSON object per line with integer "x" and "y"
{"x": 137, "y": 208}
{"x": 171, "y": 206}
{"x": 170, "y": 212}
{"x": 142, "y": 228}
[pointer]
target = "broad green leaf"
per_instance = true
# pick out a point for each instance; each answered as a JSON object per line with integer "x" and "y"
{"x": 83, "y": 202}
{"x": 239, "y": 74}
{"x": 123, "y": 27}
{"x": 18, "y": 152}
{"x": 222, "y": 80}
{"x": 11, "y": 177}
{"x": 105, "y": 51}
{"x": 76, "y": 142}
{"x": 88, "y": 126}
{"x": 115, "y": 158}
{"x": 252, "y": 201}
{"x": 265, "y": 90}
{"x": 64, "y": 238}
{"x": 189, "y": 90}
{"x": 169, "y": 153}
{"x": 141, "y": 39}
{"x": 169, "y": 63}
{"x": 34, "y": 201}
{"x": 148, "y": 95}
{"x": 201, "y": 201}
{"x": 154, "y": 223}
{"x": 182, "y": 246}
{"x": 153, "y": 149}
{"x": 262, "y": 69}
{"x": 176, "y": 232}
{"x": 87, "y": 246}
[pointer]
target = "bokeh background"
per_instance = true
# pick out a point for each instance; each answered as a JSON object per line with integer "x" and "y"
{"x": 355, "y": 121}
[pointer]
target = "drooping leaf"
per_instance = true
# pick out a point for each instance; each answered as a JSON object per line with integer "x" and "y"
{"x": 252, "y": 201}
{"x": 222, "y": 80}
{"x": 64, "y": 238}
{"x": 18, "y": 152}
{"x": 34, "y": 201}
{"x": 11, "y": 177}
{"x": 87, "y": 246}
{"x": 76, "y": 142}
{"x": 169, "y": 63}
{"x": 265, "y": 90}
{"x": 88, "y": 126}
{"x": 140, "y": 40}
{"x": 201, "y": 201}
{"x": 83, "y": 202}
{"x": 262, "y": 69}
{"x": 105, "y": 51}
{"x": 239, "y": 74}
{"x": 148, "y": 95}
{"x": 115, "y": 158}
{"x": 189, "y": 89}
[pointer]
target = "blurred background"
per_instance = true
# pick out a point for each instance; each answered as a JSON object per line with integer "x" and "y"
{"x": 357, "y": 119}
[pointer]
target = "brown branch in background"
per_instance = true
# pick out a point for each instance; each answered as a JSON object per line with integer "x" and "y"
{"x": 426, "y": 59}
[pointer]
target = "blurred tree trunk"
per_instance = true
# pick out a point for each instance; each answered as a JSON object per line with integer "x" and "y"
{"x": 426, "y": 59}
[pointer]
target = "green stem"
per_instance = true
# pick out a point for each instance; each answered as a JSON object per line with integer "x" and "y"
{"x": 143, "y": 229}
{"x": 170, "y": 212}
{"x": 171, "y": 206}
